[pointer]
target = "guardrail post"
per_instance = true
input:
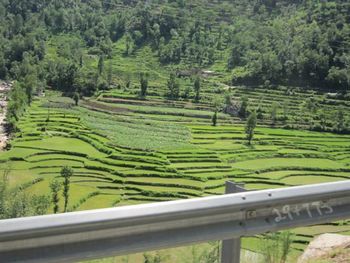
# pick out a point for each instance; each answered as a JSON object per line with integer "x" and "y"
{"x": 231, "y": 248}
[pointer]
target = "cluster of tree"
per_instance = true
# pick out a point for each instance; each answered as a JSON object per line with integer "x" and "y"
{"x": 173, "y": 88}
{"x": 303, "y": 45}
{"x": 15, "y": 202}
{"x": 273, "y": 42}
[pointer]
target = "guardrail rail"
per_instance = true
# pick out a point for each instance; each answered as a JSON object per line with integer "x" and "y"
{"x": 102, "y": 233}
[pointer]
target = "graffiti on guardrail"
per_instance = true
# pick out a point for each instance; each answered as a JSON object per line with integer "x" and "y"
{"x": 292, "y": 212}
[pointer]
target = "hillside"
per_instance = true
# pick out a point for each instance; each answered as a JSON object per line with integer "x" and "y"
{"x": 126, "y": 93}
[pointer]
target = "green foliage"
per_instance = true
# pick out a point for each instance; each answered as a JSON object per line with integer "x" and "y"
{"x": 17, "y": 103}
{"x": 66, "y": 173}
{"x": 276, "y": 246}
{"x": 157, "y": 258}
{"x": 214, "y": 118}
{"x": 340, "y": 121}
{"x": 143, "y": 85}
{"x": 274, "y": 112}
{"x": 302, "y": 43}
{"x": 100, "y": 65}
{"x": 41, "y": 204}
{"x": 173, "y": 87}
{"x": 197, "y": 89}
{"x": 76, "y": 98}
{"x": 55, "y": 187}
{"x": 243, "y": 110}
{"x": 250, "y": 127}
{"x": 16, "y": 202}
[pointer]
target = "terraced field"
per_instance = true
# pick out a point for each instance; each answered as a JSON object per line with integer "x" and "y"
{"x": 127, "y": 151}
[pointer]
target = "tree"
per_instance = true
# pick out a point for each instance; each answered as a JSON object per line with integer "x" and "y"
{"x": 274, "y": 109}
{"x": 66, "y": 173}
{"x": 285, "y": 110}
{"x": 109, "y": 74}
{"x": 29, "y": 84}
{"x": 129, "y": 44}
{"x": 16, "y": 106}
{"x": 186, "y": 93}
{"x": 340, "y": 121}
{"x": 214, "y": 118}
{"x": 250, "y": 127}
{"x": 323, "y": 120}
{"x": 259, "y": 113}
{"x": 173, "y": 87}
{"x": 76, "y": 98}
{"x": 100, "y": 65}
{"x": 228, "y": 102}
{"x": 243, "y": 108}
{"x": 143, "y": 85}
{"x": 197, "y": 89}
{"x": 40, "y": 203}
{"x": 55, "y": 187}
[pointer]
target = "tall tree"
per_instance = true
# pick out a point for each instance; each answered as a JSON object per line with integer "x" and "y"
{"x": 250, "y": 127}
{"x": 109, "y": 74}
{"x": 274, "y": 110}
{"x": 143, "y": 85}
{"x": 243, "y": 110}
{"x": 55, "y": 187}
{"x": 129, "y": 44}
{"x": 173, "y": 87}
{"x": 100, "y": 65}
{"x": 197, "y": 89}
{"x": 76, "y": 98}
{"x": 340, "y": 121}
{"x": 66, "y": 173}
{"x": 214, "y": 118}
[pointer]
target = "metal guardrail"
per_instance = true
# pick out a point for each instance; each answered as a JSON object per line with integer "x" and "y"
{"x": 116, "y": 231}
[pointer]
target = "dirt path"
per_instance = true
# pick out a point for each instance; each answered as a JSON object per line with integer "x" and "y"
{"x": 4, "y": 89}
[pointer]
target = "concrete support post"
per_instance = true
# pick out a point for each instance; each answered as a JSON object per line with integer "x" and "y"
{"x": 231, "y": 248}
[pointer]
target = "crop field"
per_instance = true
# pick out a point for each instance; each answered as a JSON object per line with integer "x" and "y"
{"x": 151, "y": 101}
{"x": 127, "y": 151}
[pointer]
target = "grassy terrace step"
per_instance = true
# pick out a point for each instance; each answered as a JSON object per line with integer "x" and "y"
{"x": 129, "y": 164}
{"x": 159, "y": 174}
{"x": 139, "y": 159}
{"x": 311, "y": 179}
{"x": 199, "y": 165}
{"x": 181, "y": 181}
{"x": 154, "y": 103}
{"x": 165, "y": 184}
{"x": 154, "y": 191}
{"x": 159, "y": 110}
{"x": 196, "y": 156}
{"x": 154, "y": 199}
{"x": 62, "y": 144}
{"x": 98, "y": 201}
{"x": 288, "y": 162}
{"x": 195, "y": 160}
{"x": 137, "y": 151}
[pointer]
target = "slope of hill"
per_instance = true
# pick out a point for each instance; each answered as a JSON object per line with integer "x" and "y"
{"x": 148, "y": 78}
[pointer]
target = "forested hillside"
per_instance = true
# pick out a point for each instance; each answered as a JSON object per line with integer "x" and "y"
{"x": 303, "y": 43}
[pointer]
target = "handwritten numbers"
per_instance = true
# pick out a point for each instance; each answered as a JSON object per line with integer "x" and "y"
{"x": 292, "y": 212}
